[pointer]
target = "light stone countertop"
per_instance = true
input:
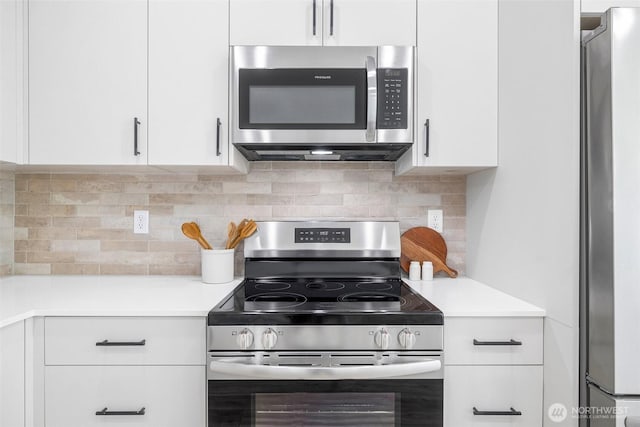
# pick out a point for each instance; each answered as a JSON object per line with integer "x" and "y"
{"x": 22, "y": 297}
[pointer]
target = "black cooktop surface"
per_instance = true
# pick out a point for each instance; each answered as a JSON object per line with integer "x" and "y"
{"x": 324, "y": 301}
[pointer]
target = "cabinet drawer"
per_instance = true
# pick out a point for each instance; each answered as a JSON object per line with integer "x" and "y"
{"x": 493, "y": 341}
{"x": 129, "y": 341}
{"x": 492, "y": 388}
{"x": 172, "y": 396}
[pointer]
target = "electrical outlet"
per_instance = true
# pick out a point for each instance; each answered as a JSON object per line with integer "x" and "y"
{"x": 141, "y": 222}
{"x": 435, "y": 219}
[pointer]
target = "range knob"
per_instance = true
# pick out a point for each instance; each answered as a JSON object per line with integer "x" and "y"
{"x": 269, "y": 339}
{"x": 406, "y": 338}
{"x": 382, "y": 339}
{"x": 244, "y": 339}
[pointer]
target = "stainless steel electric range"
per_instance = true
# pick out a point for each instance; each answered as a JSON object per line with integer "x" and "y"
{"x": 323, "y": 332}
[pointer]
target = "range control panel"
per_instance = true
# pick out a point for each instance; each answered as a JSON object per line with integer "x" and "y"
{"x": 392, "y": 98}
{"x": 323, "y": 235}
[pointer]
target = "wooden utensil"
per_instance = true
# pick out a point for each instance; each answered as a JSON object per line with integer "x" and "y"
{"x": 232, "y": 229}
{"x": 247, "y": 230}
{"x": 192, "y": 231}
{"x": 236, "y": 234}
{"x": 425, "y": 244}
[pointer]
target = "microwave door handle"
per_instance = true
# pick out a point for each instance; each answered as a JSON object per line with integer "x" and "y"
{"x": 238, "y": 368}
{"x": 372, "y": 98}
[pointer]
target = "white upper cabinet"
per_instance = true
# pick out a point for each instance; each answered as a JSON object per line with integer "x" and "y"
{"x": 457, "y": 86}
{"x": 276, "y": 22}
{"x": 188, "y": 82}
{"x": 323, "y": 22}
{"x": 87, "y": 82}
{"x": 369, "y": 22}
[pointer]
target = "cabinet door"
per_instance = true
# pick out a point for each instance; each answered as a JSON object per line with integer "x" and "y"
{"x": 493, "y": 389}
{"x": 276, "y": 22}
{"x": 188, "y": 82}
{"x": 12, "y": 375}
{"x": 8, "y": 80}
{"x": 457, "y": 82}
{"x": 172, "y": 396}
{"x": 87, "y": 81}
{"x": 370, "y": 22}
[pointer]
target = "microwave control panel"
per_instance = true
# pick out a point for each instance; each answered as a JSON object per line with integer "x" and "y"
{"x": 392, "y": 98}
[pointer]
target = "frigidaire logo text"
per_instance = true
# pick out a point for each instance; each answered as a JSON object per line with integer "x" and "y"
{"x": 322, "y": 77}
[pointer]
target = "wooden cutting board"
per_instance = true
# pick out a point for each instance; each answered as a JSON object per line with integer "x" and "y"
{"x": 425, "y": 244}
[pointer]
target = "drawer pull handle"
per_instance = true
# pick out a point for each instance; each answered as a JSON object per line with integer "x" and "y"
{"x": 105, "y": 411}
{"x": 510, "y": 412}
{"x": 510, "y": 342}
{"x": 107, "y": 343}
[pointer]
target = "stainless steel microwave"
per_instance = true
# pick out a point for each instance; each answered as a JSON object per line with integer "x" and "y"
{"x": 322, "y": 103}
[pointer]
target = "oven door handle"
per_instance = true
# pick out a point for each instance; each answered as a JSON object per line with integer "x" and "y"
{"x": 372, "y": 98}
{"x": 236, "y": 368}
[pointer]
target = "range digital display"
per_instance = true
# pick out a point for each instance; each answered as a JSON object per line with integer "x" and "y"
{"x": 323, "y": 235}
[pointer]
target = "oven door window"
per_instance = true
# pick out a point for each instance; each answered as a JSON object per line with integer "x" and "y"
{"x": 302, "y": 98}
{"x": 371, "y": 403}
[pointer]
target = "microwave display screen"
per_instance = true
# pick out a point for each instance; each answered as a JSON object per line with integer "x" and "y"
{"x": 302, "y": 104}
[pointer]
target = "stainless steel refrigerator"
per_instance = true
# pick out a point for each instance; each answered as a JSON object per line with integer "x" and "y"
{"x": 610, "y": 303}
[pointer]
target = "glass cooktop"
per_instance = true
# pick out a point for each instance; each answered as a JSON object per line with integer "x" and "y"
{"x": 325, "y": 301}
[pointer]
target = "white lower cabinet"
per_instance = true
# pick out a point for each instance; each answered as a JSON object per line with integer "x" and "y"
{"x": 493, "y": 372}
{"x": 513, "y": 391}
{"x": 162, "y": 396}
{"x": 12, "y": 375}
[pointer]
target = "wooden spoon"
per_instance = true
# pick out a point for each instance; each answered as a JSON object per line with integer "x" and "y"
{"x": 232, "y": 230}
{"x": 246, "y": 231}
{"x": 192, "y": 231}
{"x": 236, "y": 233}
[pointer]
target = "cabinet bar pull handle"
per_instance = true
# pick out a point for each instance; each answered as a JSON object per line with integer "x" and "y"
{"x": 426, "y": 138}
{"x": 510, "y": 412}
{"x": 314, "y": 17}
{"x": 510, "y": 342}
{"x": 107, "y": 343}
{"x": 136, "y": 124}
{"x": 218, "y": 124}
{"x": 106, "y": 412}
{"x": 331, "y": 19}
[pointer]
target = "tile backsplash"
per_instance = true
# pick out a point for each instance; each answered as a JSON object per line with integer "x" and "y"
{"x": 83, "y": 224}
{"x": 7, "y": 195}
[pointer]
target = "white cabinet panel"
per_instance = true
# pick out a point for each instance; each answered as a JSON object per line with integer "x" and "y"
{"x": 188, "y": 82}
{"x": 87, "y": 81}
{"x": 167, "y": 341}
{"x": 9, "y": 80}
{"x": 275, "y": 22}
{"x": 493, "y": 388}
{"x": 171, "y": 396}
{"x": 12, "y": 375}
{"x": 370, "y": 23}
{"x": 457, "y": 83}
{"x": 460, "y": 334}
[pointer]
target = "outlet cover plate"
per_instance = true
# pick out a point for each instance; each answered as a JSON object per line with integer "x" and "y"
{"x": 141, "y": 222}
{"x": 435, "y": 219}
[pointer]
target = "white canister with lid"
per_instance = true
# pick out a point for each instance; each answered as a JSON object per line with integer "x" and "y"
{"x": 427, "y": 270}
{"x": 414, "y": 270}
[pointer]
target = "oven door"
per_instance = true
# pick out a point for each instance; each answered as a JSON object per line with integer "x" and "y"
{"x": 376, "y": 389}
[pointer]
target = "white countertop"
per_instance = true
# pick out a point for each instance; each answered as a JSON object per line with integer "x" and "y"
{"x": 22, "y": 297}
{"x": 464, "y": 297}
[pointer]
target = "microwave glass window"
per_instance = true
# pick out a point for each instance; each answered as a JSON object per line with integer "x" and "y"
{"x": 325, "y": 409}
{"x": 302, "y": 104}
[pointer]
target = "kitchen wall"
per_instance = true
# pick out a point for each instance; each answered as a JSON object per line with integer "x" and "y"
{"x": 7, "y": 193}
{"x": 82, "y": 224}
